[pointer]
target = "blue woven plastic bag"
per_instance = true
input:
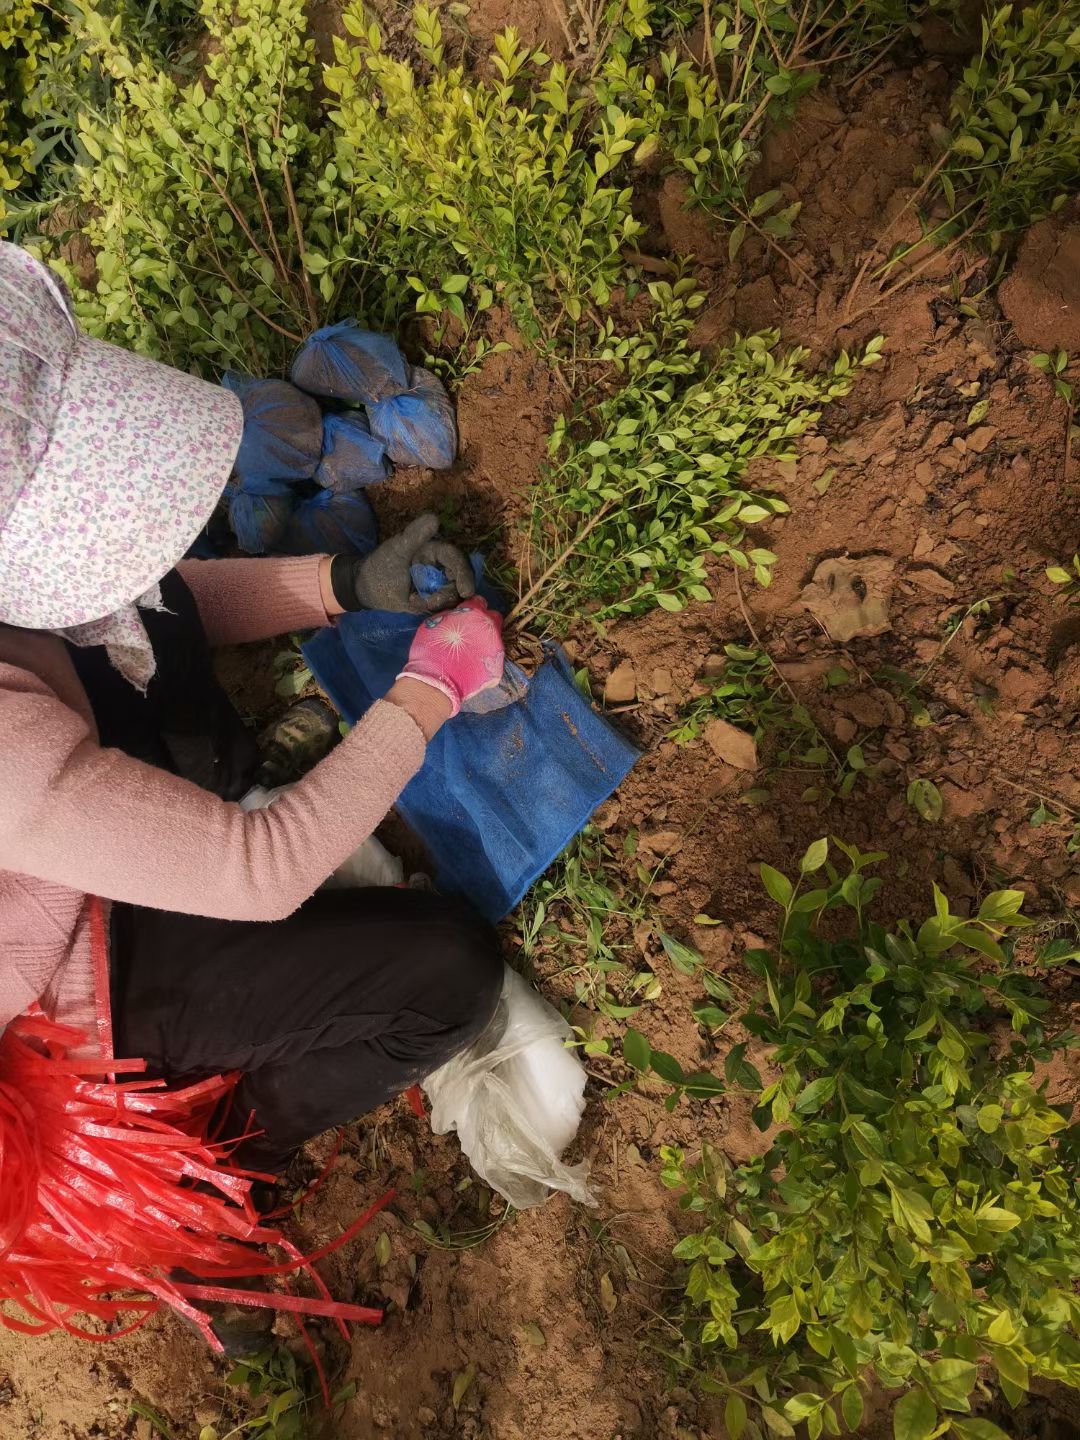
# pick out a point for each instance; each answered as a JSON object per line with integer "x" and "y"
{"x": 418, "y": 427}
{"x": 283, "y": 430}
{"x": 500, "y": 794}
{"x": 351, "y": 456}
{"x": 329, "y": 524}
{"x": 349, "y": 363}
{"x": 259, "y": 513}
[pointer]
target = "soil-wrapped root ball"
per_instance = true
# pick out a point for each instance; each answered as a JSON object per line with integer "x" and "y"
{"x": 283, "y": 430}
{"x": 345, "y": 362}
{"x": 329, "y": 524}
{"x": 351, "y": 457}
{"x": 259, "y": 513}
{"x": 418, "y": 426}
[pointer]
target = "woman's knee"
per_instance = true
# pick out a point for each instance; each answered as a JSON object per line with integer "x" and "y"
{"x": 472, "y": 967}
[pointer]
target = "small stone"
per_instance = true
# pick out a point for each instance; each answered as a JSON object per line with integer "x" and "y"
{"x": 426, "y": 1416}
{"x": 802, "y": 672}
{"x": 850, "y": 598}
{"x": 661, "y": 842}
{"x": 662, "y": 682}
{"x": 714, "y": 666}
{"x": 980, "y": 438}
{"x": 924, "y": 472}
{"x": 845, "y": 729}
{"x": 929, "y": 579}
{"x": 621, "y": 684}
{"x": 732, "y": 745}
{"x": 866, "y": 708}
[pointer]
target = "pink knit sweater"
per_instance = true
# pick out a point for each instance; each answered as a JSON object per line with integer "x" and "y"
{"x": 77, "y": 820}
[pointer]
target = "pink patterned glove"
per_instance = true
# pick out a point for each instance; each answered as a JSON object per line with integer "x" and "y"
{"x": 459, "y": 652}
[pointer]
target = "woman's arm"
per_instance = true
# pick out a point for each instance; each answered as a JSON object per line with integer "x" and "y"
{"x": 241, "y": 600}
{"x": 99, "y": 822}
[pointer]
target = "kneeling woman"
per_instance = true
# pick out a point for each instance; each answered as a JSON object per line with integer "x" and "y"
{"x": 123, "y": 761}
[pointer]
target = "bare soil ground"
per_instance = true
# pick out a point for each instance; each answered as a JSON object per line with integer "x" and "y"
{"x": 949, "y": 512}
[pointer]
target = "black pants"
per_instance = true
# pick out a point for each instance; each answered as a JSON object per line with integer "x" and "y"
{"x": 356, "y": 996}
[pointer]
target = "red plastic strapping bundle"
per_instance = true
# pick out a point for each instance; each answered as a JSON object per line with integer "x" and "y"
{"x": 109, "y": 1188}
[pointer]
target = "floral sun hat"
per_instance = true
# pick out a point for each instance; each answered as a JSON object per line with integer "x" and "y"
{"x": 110, "y": 463}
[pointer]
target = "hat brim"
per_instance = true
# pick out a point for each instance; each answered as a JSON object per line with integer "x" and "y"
{"x": 137, "y": 460}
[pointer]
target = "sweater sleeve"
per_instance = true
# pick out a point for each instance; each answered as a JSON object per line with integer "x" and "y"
{"x": 241, "y": 600}
{"x": 100, "y": 822}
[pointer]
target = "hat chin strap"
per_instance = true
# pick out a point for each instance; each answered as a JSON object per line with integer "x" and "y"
{"x": 124, "y": 636}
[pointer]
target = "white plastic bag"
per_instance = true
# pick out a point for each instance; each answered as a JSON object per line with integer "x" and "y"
{"x": 515, "y": 1098}
{"x": 370, "y": 864}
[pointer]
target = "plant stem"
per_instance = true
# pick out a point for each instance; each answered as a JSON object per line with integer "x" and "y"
{"x": 522, "y": 605}
{"x": 876, "y": 246}
{"x": 305, "y": 279}
{"x": 775, "y": 245}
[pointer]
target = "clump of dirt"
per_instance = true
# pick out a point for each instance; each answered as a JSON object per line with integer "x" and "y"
{"x": 1041, "y": 295}
{"x": 687, "y": 229}
{"x": 536, "y": 21}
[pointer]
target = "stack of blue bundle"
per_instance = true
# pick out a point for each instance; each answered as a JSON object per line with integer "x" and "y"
{"x": 301, "y": 468}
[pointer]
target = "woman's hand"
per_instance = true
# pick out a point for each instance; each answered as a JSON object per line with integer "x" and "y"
{"x": 384, "y": 580}
{"x": 458, "y": 653}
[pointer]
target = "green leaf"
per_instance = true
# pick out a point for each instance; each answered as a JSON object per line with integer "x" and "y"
{"x": 968, "y": 145}
{"x": 711, "y": 1016}
{"x": 455, "y": 284}
{"x": 776, "y": 1423}
{"x": 851, "y": 1407}
{"x": 684, "y": 957}
{"x": 1001, "y": 905}
{"x": 816, "y": 855}
{"x": 735, "y": 1416}
{"x": 1011, "y": 1368}
{"x": 636, "y": 1050}
{"x": 925, "y": 798}
{"x": 998, "y": 1220}
{"x": 778, "y": 886}
{"x": 670, "y": 602}
{"x": 667, "y": 1067}
{"x": 915, "y": 1416}
{"x": 952, "y": 1381}
{"x": 383, "y": 1249}
{"x": 977, "y": 1430}
{"x": 818, "y": 1093}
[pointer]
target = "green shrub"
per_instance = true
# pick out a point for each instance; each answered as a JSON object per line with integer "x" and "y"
{"x": 633, "y": 510}
{"x": 23, "y": 37}
{"x": 915, "y": 1214}
{"x": 209, "y": 202}
{"x": 1014, "y": 156}
{"x": 504, "y": 186}
{"x": 701, "y": 108}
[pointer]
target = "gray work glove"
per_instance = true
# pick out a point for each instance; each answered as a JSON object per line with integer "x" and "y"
{"x": 383, "y": 581}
